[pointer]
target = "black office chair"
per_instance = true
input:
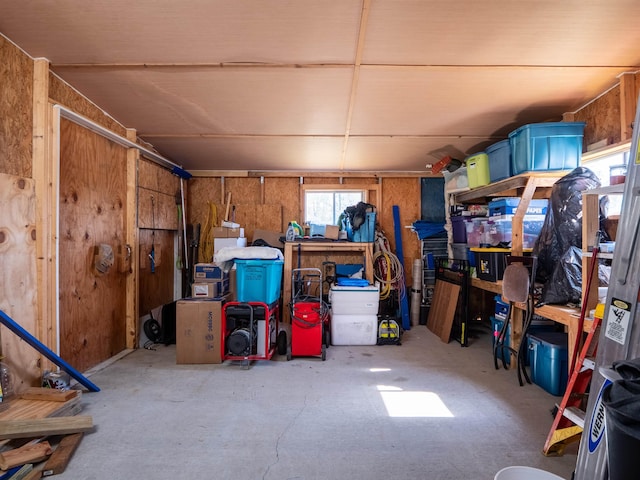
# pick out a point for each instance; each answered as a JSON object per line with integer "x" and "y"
{"x": 518, "y": 284}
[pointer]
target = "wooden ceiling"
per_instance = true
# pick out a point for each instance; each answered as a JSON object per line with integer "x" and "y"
{"x": 329, "y": 85}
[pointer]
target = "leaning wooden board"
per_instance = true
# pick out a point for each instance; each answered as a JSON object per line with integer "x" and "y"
{"x": 443, "y": 309}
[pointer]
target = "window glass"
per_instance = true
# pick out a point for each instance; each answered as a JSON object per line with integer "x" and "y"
{"x": 323, "y": 207}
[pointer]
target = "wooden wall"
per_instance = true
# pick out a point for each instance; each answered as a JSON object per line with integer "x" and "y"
{"x": 18, "y": 229}
{"x": 609, "y": 117}
{"x": 16, "y": 111}
{"x": 92, "y": 203}
{"x": 18, "y": 275}
{"x": 158, "y": 194}
{"x": 273, "y": 202}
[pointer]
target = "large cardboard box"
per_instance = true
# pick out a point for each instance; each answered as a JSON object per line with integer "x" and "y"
{"x": 199, "y": 330}
{"x": 226, "y": 232}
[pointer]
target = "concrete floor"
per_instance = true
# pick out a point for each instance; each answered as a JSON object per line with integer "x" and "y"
{"x": 308, "y": 419}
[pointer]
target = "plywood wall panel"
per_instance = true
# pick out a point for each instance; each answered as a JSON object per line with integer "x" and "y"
{"x": 16, "y": 110}
{"x": 243, "y": 190}
{"x": 602, "y": 117}
{"x": 18, "y": 276}
{"x": 62, "y": 93}
{"x": 286, "y": 192}
{"x": 167, "y": 181}
{"x": 157, "y": 210}
{"x": 148, "y": 175}
{"x": 203, "y": 191}
{"x": 92, "y": 189}
{"x": 156, "y": 288}
{"x": 404, "y": 192}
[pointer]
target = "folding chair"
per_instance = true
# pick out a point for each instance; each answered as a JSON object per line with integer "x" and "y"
{"x": 518, "y": 283}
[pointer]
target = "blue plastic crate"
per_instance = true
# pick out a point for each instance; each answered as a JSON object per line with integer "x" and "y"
{"x": 546, "y": 146}
{"x": 548, "y": 358}
{"x": 509, "y": 205}
{"x": 366, "y": 232}
{"x": 499, "y": 160}
{"x": 258, "y": 280}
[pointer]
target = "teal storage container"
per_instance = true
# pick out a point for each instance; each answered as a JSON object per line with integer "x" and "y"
{"x": 546, "y": 146}
{"x": 366, "y": 232}
{"x": 499, "y": 160}
{"x": 258, "y": 280}
{"x": 548, "y": 358}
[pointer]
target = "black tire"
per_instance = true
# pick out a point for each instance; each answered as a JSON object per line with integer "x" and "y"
{"x": 324, "y": 353}
{"x": 282, "y": 343}
{"x": 327, "y": 338}
{"x": 152, "y": 330}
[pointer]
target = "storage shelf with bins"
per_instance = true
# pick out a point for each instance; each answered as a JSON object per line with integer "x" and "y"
{"x": 527, "y": 187}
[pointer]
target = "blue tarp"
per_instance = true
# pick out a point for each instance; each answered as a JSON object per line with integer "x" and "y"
{"x": 429, "y": 229}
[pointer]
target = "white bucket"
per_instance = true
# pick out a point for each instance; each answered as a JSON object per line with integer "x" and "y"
{"x": 525, "y": 473}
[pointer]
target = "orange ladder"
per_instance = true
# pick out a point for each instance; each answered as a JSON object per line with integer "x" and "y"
{"x": 569, "y": 419}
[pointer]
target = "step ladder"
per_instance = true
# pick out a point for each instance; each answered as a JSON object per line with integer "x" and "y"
{"x": 568, "y": 422}
{"x": 619, "y": 338}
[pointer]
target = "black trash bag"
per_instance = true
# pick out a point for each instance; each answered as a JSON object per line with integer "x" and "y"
{"x": 565, "y": 284}
{"x": 621, "y": 400}
{"x": 562, "y": 230}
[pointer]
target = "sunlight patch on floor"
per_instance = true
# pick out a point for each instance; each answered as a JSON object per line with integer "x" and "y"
{"x": 400, "y": 403}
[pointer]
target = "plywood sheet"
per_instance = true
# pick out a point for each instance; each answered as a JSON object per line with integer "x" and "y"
{"x": 443, "y": 309}
{"x": 156, "y": 288}
{"x": 18, "y": 275}
{"x": 92, "y": 203}
{"x": 16, "y": 110}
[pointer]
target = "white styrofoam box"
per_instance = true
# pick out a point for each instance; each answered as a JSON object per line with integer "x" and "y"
{"x": 219, "y": 243}
{"x": 346, "y": 300}
{"x": 354, "y": 329}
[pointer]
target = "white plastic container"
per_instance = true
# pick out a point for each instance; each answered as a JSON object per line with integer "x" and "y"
{"x": 525, "y": 473}
{"x": 354, "y": 329}
{"x": 347, "y": 300}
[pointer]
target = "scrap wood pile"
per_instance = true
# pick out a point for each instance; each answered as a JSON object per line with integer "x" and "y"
{"x": 39, "y": 432}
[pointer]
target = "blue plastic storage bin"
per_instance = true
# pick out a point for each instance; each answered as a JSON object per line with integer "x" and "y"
{"x": 258, "y": 280}
{"x": 509, "y": 205}
{"x": 499, "y": 160}
{"x": 459, "y": 229}
{"x": 546, "y": 146}
{"x": 366, "y": 232}
{"x": 548, "y": 358}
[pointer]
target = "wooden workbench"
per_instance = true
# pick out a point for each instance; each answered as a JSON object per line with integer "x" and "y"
{"x": 328, "y": 249}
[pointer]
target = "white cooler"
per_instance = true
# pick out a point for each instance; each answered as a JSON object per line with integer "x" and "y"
{"x": 348, "y": 300}
{"x": 354, "y": 329}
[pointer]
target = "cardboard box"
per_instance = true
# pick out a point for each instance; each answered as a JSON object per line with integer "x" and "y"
{"x": 331, "y": 231}
{"x": 199, "y": 331}
{"x": 226, "y": 232}
{"x": 207, "y": 272}
{"x": 211, "y": 289}
{"x": 272, "y": 238}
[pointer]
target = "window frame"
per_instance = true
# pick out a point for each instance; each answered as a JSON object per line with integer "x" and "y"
{"x": 369, "y": 193}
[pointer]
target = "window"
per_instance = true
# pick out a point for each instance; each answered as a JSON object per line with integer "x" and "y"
{"x": 324, "y": 207}
{"x": 603, "y": 167}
